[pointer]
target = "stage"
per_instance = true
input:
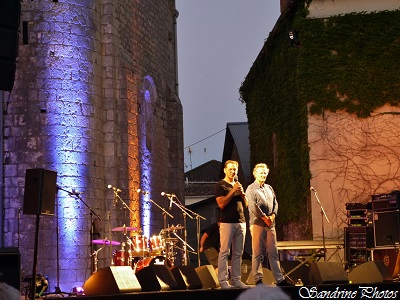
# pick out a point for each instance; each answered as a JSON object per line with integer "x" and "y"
{"x": 355, "y": 291}
{"x": 314, "y": 280}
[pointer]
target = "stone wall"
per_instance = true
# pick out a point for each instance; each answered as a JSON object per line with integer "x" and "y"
{"x": 95, "y": 100}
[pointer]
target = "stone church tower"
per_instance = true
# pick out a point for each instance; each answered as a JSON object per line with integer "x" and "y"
{"x": 95, "y": 101}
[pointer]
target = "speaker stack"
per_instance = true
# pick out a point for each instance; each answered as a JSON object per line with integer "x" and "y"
{"x": 386, "y": 211}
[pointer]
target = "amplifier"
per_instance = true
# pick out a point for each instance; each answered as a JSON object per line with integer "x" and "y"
{"x": 351, "y": 205}
{"x": 387, "y": 228}
{"x": 386, "y": 201}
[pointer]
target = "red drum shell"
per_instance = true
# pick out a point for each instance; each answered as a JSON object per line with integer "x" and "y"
{"x": 151, "y": 261}
{"x": 121, "y": 258}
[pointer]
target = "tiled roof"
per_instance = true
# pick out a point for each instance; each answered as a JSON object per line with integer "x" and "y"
{"x": 207, "y": 172}
{"x": 201, "y": 180}
{"x": 199, "y": 189}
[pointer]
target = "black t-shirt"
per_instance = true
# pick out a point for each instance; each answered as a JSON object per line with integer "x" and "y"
{"x": 233, "y": 212}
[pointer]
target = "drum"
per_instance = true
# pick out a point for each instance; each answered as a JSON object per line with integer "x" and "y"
{"x": 157, "y": 244}
{"x": 139, "y": 245}
{"x": 121, "y": 258}
{"x": 152, "y": 261}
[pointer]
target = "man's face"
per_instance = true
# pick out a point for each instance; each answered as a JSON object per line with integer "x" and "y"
{"x": 231, "y": 170}
{"x": 260, "y": 174}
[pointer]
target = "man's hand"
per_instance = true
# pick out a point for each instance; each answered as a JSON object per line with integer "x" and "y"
{"x": 269, "y": 220}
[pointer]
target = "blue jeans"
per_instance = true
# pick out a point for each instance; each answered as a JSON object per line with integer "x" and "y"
{"x": 231, "y": 234}
{"x": 263, "y": 235}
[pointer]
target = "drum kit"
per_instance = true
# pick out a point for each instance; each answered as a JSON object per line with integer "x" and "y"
{"x": 139, "y": 251}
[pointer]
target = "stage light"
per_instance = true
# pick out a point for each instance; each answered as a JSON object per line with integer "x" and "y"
{"x": 78, "y": 290}
{"x": 293, "y": 38}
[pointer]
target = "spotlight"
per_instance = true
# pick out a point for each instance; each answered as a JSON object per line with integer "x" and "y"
{"x": 293, "y": 38}
{"x": 78, "y": 290}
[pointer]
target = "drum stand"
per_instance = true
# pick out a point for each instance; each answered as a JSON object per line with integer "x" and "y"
{"x": 95, "y": 259}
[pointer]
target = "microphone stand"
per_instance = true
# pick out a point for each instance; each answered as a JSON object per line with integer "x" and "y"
{"x": 165, "y": 213}
{"x": 92, "y": 212}
{"x": 185, "y": 213}
{"x": 198, "y": 217}
{"x": 116, "y": 198}
{"x": 322, "y": 219}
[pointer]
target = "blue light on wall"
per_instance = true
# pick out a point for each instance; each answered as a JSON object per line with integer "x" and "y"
{"x": 68, "y": 89}
{"x": 146, "y": 138}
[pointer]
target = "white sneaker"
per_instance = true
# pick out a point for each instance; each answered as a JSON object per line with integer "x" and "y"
{"x": 225, "y": 285}
{"x": 240, "y": 285}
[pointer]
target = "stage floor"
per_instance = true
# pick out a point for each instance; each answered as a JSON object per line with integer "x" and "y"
{"x": 387, "y": 290}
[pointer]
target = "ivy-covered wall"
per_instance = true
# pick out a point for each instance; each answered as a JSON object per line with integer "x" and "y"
{"x": 345, "y": 63}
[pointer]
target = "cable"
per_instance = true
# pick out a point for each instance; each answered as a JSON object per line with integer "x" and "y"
{"x": 204, "y": 138}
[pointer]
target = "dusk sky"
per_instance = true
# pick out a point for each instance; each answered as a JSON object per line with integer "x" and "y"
{"x": 218, "y": 41}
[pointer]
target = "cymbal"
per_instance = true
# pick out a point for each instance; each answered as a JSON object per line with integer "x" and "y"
{"x": 106, "y": 242}
{"x": 124, "y": 228}
{"x": 172, "y": 228}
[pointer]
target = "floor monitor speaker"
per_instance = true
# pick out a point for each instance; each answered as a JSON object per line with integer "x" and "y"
{"x": 186, "y": 277}
{"x": 111, "y": 281}
{"x": 208, "y": 276}
{"x": 40, "y": 192}
{"x": 212, "y": 256}
{"x": 10, "y": 266}
{"x": 156, "y": 278}
{"x": 370, "y": 272}
{"x": 327, "y": 272}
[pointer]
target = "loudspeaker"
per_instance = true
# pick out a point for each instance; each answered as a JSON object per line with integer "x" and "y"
{"x": 10, "y": 12}
{"x": 186, "y": 277}
{"x": 10, "y": 266}
{"x": 302, "y": 272}
{"x": 390, "y": 258}
{"x": 9, "y": 39}
{"x": 40, "y": 192}
{"x": 212, "y": 256}
{"x": 387, "y": 227}
{"x": 327, "y": 272}
{"x": 156, "y": 278}
{"x": 112, "y": 280}
{"x": 7, "y": 74}
{"x": 370, "y": 272}
{"x": 208, "y": 276}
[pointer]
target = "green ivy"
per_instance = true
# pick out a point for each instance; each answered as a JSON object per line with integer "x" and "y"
{"x": 343, "y": 63}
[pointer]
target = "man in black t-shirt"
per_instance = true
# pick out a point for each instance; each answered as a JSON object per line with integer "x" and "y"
{"x": 231, "y": 200}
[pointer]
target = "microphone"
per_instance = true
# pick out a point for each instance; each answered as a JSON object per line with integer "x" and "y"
{"x": 142, "y": 192}
{"x": 114, "y": 188}
{"x": 76, "y": 192}
{"x": 235, "y": 178}
{"x": 168, "y": 195}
